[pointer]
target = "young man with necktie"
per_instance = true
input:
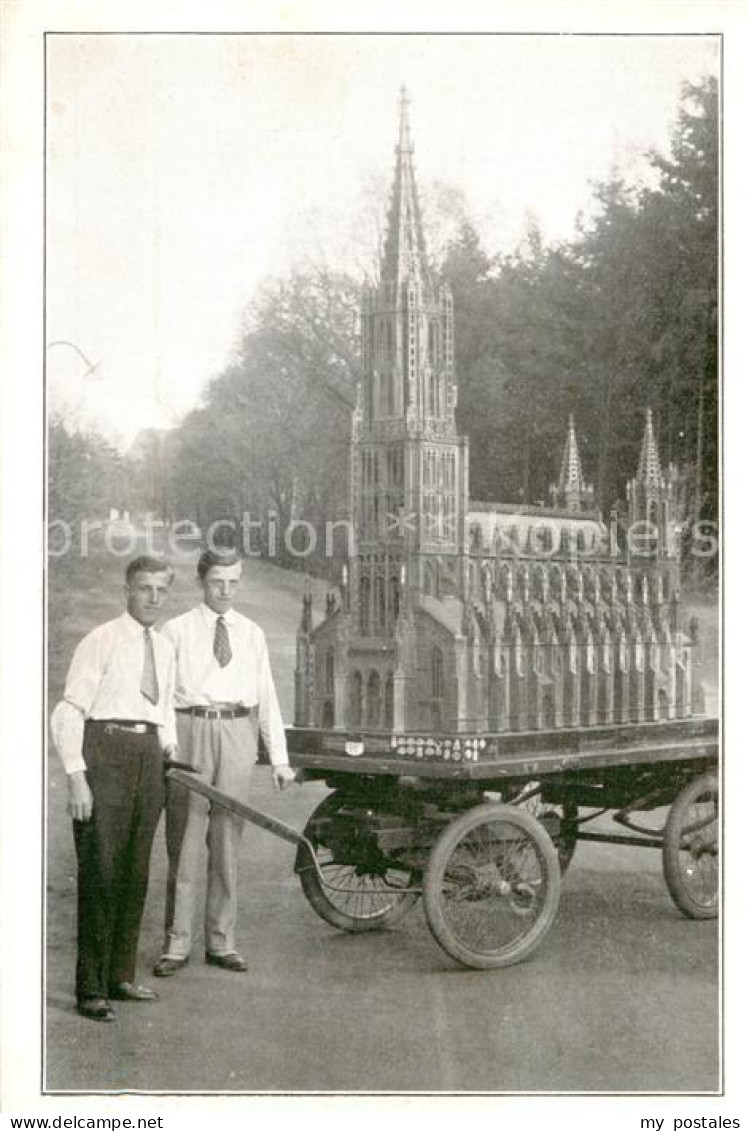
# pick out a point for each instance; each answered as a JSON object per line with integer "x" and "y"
{"x": 112, "y": 729}
{"x": 224, "y": 696}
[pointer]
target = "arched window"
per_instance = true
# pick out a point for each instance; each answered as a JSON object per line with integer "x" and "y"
{"x": 329, "y": 671}
{"x": 433, "y": 344}
{"x": 356, "y": 700}
{"x": 548, "y": 714}
{"x": 428, "y": 576}
{"x": 389, "y": 702}
{"x": 506, "y": 577}
{"x": 395, "y": 599}
{"x": 373, "y": 699}
{"x": 589, "y": 583}
{"x": 364, "y": 621}
{"x": 379, "y": 606}
{"x": 438, "y": 674}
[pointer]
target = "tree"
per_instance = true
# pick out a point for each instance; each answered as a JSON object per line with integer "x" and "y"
{"x": 272, "y": 437}
{"x": 620, "y": 318}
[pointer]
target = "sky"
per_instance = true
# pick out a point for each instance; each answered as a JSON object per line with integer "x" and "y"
{"x": 183, "y": 171}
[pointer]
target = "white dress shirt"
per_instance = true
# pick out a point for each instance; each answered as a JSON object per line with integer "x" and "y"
{"x": 104, "y": 683}
{"x": 245, "y": 681}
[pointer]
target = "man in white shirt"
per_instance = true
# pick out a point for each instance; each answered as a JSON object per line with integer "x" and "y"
{"x": 112, "y": 730}
{"x": 224, "y": 694}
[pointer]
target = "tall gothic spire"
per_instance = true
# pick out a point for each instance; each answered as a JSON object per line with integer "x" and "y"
{"x": 404, "y": 253}
{"x": 571, "y": 475}
{"x": 571, "y": 491}
{"x": 649, "y": 467}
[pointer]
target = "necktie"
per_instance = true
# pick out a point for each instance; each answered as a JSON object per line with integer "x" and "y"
{"x": 149, "y": 682}
{"x": 221, "y": 645}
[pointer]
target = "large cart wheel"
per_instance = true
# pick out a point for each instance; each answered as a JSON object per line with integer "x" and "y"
{"x": 491, "y": 888}
{"x": 365, "y": 895}
{"x": 690, "y": 849}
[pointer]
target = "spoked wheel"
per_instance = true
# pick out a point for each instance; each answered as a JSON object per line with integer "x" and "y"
{"x": 560, "y": 821}
{"x": 491, "y": 888}
{"x": 366, "y": 895}
{"x": 690, "y": 849}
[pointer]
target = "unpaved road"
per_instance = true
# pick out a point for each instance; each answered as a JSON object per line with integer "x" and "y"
{"x": 622, "y": 996}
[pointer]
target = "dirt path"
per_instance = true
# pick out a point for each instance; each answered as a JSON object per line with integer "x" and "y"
{"x": 623, "y": 996}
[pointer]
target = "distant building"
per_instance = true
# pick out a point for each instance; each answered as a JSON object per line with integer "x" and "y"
{"x": 463, "y": 616}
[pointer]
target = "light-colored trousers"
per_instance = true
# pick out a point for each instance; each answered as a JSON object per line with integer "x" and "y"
{"x": 224, "y": 751}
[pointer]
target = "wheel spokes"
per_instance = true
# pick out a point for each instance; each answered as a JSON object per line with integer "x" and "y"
{"x": 698, "y": 856}
{"x": 493, "y": 887}
{"x": 361, "y": 894}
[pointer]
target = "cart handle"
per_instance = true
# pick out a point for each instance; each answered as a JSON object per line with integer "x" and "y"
{"x": 189, "y": 777}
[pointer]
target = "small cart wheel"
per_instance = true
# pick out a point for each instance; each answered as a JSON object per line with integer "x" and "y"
{"x": 354, "y": 897}
{"x": 690, "y": 849}
{"x": 491, "y": 888}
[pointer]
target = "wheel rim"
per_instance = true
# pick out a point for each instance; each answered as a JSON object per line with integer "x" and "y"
{"x": 493, "y": 888}
{"x": 698, "y": 850}
{"x": 361, "y": 895}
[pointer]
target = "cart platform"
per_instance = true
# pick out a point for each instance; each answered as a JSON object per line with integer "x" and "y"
{"x": 502, "y": 756}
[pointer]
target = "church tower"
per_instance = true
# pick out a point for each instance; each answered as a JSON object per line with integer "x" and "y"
{"x": 436, "y": 633}
{"x": 652, "y": 498}
{"x": 410, "y": 468}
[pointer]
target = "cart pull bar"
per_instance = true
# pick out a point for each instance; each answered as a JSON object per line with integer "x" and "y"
{"x": 190, "y": 779}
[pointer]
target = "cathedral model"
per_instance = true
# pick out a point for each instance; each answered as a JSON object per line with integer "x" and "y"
{"x": 458, "y": 616}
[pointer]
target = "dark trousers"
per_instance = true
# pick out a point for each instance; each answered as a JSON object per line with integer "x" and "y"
{"x": 126, "y": 775}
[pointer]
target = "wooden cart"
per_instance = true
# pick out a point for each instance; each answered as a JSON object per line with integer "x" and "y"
{"x": 482, "y": 826}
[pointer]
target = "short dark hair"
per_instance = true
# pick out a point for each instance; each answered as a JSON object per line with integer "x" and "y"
{"x": 210, "y": 558}
{"x": 147, "y": 564}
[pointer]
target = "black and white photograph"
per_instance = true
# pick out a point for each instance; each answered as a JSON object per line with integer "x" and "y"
{"x": 383, "y": 512}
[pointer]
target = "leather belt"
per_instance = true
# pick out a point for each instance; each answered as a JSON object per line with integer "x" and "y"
{"x": 126, "y": 725}
{"x": 216, "y": 712}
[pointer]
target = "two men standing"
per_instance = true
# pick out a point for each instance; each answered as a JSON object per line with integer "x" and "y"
{"x": 113, "y": 729}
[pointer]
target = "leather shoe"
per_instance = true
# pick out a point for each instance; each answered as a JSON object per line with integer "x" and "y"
{"x": 231, "y": 961}
{"x": 95, "y": 1008}
{"x": 167, "y": 966}
{"x": 126, "y": 991}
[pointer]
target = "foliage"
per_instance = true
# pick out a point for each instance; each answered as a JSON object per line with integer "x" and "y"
{"x": 620, "y": 318}
{"x": 272, "y": 437}
{"x": 85, "y": 475}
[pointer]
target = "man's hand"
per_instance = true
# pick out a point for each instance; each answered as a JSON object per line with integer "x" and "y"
{"x": 283, "y": 776}
{"x": 80, "y": 799}
{"x": 170, "y": 752}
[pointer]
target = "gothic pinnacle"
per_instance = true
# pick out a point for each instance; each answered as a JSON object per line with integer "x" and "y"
{"x": 571, "y": 476}
{"x": 404, "y": 249}
{"x": 649, "y": 467}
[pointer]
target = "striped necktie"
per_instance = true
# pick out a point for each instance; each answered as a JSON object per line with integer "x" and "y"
{"x": 149, "y": 681}
{"x": 221, "y": 644}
